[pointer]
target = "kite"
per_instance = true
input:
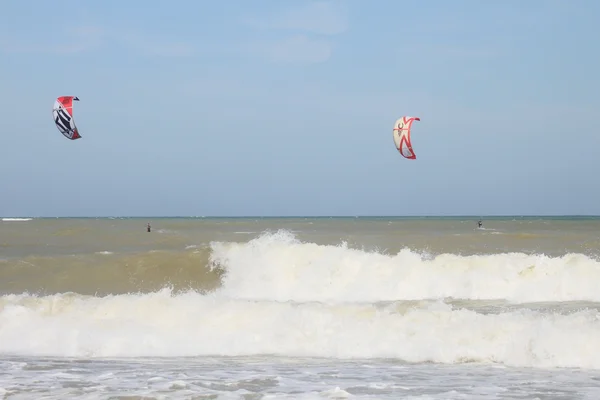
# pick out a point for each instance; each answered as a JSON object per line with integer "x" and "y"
{"x": 401, "y": 134}
{"x": 62, "y": 113}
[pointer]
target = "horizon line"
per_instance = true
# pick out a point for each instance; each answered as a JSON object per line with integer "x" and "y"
{"x": 315, "y": 216}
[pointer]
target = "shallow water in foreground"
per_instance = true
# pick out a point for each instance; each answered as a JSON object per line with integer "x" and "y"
{"x": 272, "y": 378}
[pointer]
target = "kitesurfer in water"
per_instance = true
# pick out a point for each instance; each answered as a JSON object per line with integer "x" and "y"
{"x": 148, "y": 227}
{"x": 479, "y": 224}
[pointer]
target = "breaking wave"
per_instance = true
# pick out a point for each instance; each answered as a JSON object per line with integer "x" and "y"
{"x": 279, "y": 296}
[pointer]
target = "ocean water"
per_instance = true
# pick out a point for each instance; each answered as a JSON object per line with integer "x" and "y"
{"x": 300, "y": 308}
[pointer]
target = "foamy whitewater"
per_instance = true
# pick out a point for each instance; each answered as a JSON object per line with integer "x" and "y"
{"x": 378, "y": 308}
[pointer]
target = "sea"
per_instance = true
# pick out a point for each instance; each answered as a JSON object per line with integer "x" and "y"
{"x": 425, "y": 308}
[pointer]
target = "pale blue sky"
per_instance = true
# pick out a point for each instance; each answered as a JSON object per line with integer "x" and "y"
{"x": 286, "y": 107}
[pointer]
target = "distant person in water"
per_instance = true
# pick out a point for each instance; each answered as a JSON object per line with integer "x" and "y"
{"x": 148, "y": 227}
{"x": 479, "y": 224}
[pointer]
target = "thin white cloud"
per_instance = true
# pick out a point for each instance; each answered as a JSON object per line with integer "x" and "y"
{"x": 324, "y": 18}
{"x": 73, "y": 40}
{"x": 304, "y": 22}
{"x": 155, "y": 46}
{"x": 453, "y": 50}
{"x": 295, "y": 49}
{"x": 86, "y": 38}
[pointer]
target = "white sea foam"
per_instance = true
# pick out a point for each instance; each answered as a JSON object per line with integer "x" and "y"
{"x": 280, "y": 296}
{"x": 161, "y": 324}
{"x": 279, "y": 267}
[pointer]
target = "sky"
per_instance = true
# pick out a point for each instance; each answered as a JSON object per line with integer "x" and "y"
{"x": 286, "y": 108}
